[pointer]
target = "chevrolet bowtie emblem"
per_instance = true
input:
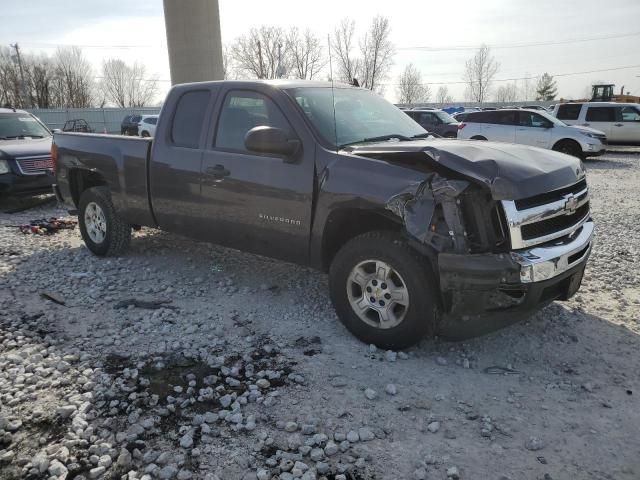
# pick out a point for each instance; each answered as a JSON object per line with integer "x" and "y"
{"x": 571, "y": 204}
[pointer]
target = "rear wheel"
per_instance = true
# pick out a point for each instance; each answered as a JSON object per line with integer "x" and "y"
{"x": 102, "y": 229}
{"x": 570, "y": 147}
{"x": 478, "y": 137}
{"x": 145, "y": 135}
{"x": 383, "y": 291}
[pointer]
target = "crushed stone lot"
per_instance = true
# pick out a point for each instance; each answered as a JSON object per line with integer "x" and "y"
{"x": 184, "y": 360}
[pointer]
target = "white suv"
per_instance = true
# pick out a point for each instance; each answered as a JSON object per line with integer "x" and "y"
{"x": 535, "y": 128}
{"x": 147, "y": 125}
{"x": 619, "y": 121}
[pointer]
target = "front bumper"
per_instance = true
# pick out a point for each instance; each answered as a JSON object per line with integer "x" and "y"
{"x": 11, "y": 183}
{"x": 593, "y": 149}
{"x": 482, "y": 293}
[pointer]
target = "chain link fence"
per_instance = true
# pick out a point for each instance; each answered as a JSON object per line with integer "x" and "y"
{"x": 101, "y": 120}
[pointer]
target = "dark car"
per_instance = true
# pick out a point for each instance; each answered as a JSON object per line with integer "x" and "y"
{"x": 25, "y": 154}
{"x": 435, "y": 121}
{"x": 77, "y": 125}
{"x": 420, "y": 236}
{"x": 129, "y": 125}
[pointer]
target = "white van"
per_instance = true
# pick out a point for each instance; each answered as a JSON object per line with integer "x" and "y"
{"x": 619, "y": 121}
{"x": 535, "y": 128}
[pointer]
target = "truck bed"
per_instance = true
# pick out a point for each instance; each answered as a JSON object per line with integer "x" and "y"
{"x": 122, "y": 162}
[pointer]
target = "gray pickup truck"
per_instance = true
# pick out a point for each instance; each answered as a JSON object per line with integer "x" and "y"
{"x": 420, "y": 236}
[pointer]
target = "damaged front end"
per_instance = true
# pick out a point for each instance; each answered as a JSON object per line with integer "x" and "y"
{"x": 458, "y": 222}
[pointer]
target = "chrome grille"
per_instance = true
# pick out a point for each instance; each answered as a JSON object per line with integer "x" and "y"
{"x": 36, "y": 165}
{"x": 542, "y": 218}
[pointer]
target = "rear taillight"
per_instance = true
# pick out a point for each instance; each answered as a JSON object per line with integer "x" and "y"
{"x": 54, "y": 156}
{"x": 461, "y": 125}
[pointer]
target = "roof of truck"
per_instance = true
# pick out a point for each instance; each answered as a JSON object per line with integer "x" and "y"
{"x": 11, "y": 110}
{"x": 281, "y": 83}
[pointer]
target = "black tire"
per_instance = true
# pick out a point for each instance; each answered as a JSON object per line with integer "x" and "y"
{"x": 117, "y": 233}
{"x": 145, "y": 135}
{"x": 422, "y": 314}
{"x": 450, "y": 135}
{"x": 570, "y": 147}
{"x": 478, "y": 137}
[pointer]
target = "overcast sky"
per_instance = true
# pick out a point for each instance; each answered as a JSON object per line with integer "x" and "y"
{"x": 442, "y": 26}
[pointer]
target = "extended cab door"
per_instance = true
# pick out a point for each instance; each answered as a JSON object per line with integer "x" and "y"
{"x": 601, "y": 118}
{"x": 176, "y": 159}
{"x": 257, "y": 202}
{"x": 627, "y": 125}
{"x": 533, "y": 129}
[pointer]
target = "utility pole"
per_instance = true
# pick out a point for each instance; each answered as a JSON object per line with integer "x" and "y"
{"x": 23, "y": 85}
{"x": 260, "y": 60}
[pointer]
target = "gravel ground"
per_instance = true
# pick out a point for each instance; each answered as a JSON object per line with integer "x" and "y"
{"x": 186, "y": 360}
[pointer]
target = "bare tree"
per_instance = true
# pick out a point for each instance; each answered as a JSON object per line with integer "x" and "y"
{"x": 347, "y": 65}
{"x": 227, "y": 63}
{"x": 262, "y": 53}
{"x": 527, "y": 88}
{"x": 73, "y": 78}
{"x": 377, "y": 53}
{"x": 9, "y": 80}
{"x": 442, "y": 95}
{"x": 306, "y": 54}
{"x": 479, "y": 74}
{"x": 507, "y": 93}
{"x": 410, "y": 86}
{"x": 39, "y": 72}
{"x": 127, "y": 86}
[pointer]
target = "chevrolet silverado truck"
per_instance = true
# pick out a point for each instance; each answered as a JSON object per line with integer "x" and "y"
{"x": 420, "y": 236}
{"x": 25, "y": 154}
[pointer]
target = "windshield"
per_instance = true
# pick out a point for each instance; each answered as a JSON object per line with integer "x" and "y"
{"x": 360, "y": 115}
{"x": 20, "y": 125}
{"x": 445, "y": 117}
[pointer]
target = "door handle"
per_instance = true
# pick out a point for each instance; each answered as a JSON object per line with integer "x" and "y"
{"x": 618, "y": 125}
{"x": 217, "y": 171}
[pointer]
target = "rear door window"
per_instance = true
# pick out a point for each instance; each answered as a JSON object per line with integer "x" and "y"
{"x": 601, "y": 114}
{"x": 189, "y": 118}
{"x": 630, "y": 114}
{"x": 503, "y": 118}
{"x": 569, "y": 111}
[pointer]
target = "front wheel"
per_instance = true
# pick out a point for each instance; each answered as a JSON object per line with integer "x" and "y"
{"x": 569, "y": 147}
{"x": 383, "y": 291}
{"x": 102, "y": 229}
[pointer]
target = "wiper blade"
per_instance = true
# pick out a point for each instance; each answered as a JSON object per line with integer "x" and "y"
{"x": 11, "y": 137}
{"x": 381, "y": 138}
{"x": 424, "y": 135}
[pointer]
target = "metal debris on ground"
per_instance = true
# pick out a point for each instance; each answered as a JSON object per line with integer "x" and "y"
{"x": 45, "y": 226}
{"x": 54, "y": 297}
{"x": 148, "y": 304}
{"x": 498, "y": 370}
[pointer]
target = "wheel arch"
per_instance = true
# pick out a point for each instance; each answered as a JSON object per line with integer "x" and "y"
{"x": 346, "y": 223}
{"x": 81, "y": 179}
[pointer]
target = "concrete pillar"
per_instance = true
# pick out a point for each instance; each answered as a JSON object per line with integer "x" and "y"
{"x": 193, "y": 40}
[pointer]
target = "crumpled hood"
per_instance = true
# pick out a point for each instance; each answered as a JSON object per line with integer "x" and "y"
{"x": 26, "y": 147}
{"x": 510, "y": 171}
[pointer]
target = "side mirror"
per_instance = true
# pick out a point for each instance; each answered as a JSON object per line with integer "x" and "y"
{"x": 56, "y": 130}
{"x": 272, "y": 140}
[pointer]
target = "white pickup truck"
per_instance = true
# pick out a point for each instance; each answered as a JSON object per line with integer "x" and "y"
{"x": 535, "y": 128}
